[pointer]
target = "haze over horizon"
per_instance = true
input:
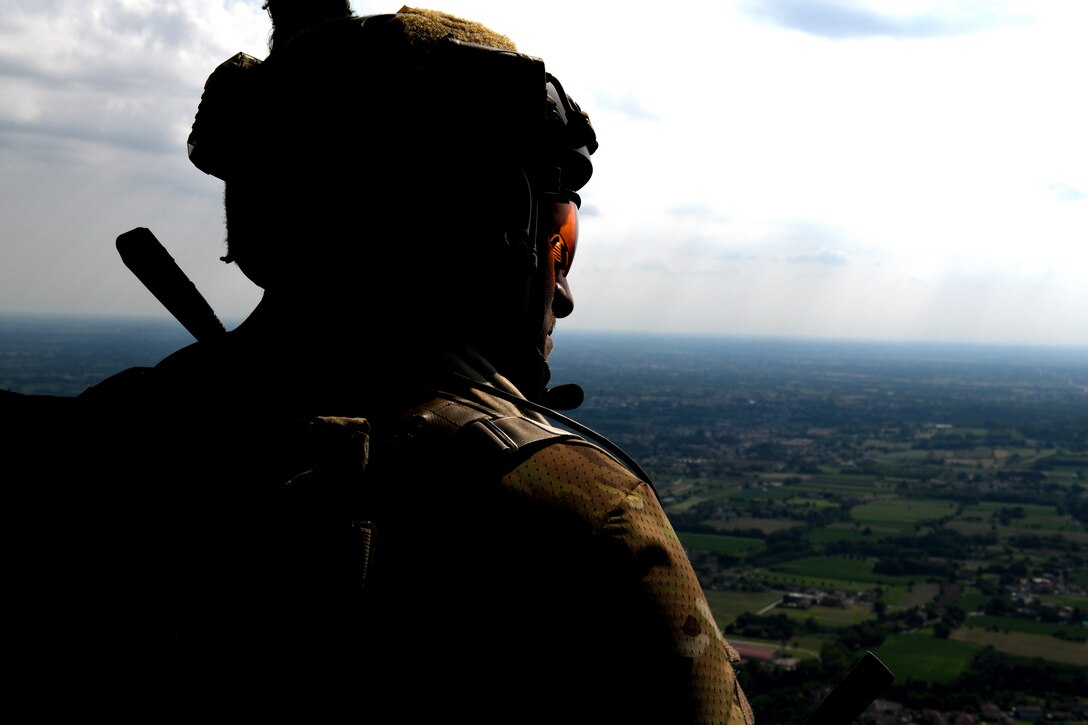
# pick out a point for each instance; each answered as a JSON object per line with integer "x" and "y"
{"x": 904, "y": 170}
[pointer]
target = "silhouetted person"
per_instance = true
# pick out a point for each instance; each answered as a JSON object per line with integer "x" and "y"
{"x": 349, "y": 500}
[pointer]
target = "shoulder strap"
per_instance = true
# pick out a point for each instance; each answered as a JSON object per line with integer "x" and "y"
{"x": 588, "y": 433}
{"x": 450, "y": 415}
{"x": 509, "y": 435}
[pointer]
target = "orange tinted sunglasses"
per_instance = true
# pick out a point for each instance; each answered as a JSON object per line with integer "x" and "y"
{"x": 563, "y": 234}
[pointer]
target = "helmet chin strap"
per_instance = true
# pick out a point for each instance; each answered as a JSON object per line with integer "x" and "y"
{"x": 523, "y": 361}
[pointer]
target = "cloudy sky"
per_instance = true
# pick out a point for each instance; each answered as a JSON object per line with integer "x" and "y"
{"x": 895, "y": 170}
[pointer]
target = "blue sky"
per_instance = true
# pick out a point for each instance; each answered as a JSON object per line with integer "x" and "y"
{"x": 842, "y": 169}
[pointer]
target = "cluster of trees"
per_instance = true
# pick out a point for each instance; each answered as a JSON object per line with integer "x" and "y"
{"x": 856, "y": 637}
{"x": 1002, "y": 679}
{"x": 787, "y": 696}
{"x": 957, "y": 441}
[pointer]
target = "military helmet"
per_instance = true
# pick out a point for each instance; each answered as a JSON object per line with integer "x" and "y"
{"x": 415, "y": 74}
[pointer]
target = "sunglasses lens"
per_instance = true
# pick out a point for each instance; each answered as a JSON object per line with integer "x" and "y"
{"x": 564, "y": 234}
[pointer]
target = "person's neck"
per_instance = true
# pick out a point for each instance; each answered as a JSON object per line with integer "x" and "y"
{"x": 323, "y": 334}
{"x": 297, "y": 317}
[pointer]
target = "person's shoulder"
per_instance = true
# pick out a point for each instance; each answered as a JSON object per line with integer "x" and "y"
{"x": 191, "y": 376}
{"x": 542, "y": 463}
{"x": 474, "y": 426}
{"x": 576, "y": 461}
{"x": 579, "y": 477}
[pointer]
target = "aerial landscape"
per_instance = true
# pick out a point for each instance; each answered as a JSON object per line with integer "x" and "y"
{"x": 925, "y": 503}
{"x": 832, "y": 300}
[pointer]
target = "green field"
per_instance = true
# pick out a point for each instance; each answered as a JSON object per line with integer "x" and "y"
{"x": 1037, "y": 518}
{"x": 902, "y": 596}
{"x": 1016, "y": 624}
{"x": 902, "y": 511}
{"x": 840, "y": 485}
{"x": 1026, "y": 645}
{"x": 767, "y": 526}
{"x": 903, "y": 455}
{"x": 1004, "y": 532}
{"x": 839, "y": 568}
{"x": 764, "y": 494}
{"x": 988, "y": 508}
{"x": 734, "y": 545}
{"x": 832, "y": 477}
{"x": 693, "y": 491}
{"x": 881, "y": 444}
{"x": 924, "y": 657}
{"x": 780, "y": 580}
{"x": 809, "y": 502}
{"x": 972, "y": 599}
{"x": 727, "y": 606}
{"x": 839, "y": 532}
{"x": 1079, "y": 601}
{"x": 828, "y": 616}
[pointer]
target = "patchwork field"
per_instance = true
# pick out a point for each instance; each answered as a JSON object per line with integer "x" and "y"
{"x": 727, "y": 606}
{"x": 719, "y": 544}
{"x": 902, "y": 511}
{"x": 840, "y": 568}
{"x": 1016, "y": 624}
{"x": 744, "y": 523}
{"x": 903, "y": 596}
{"x": 828, "y": 616}
{"x": 924, "y": 657}
{"x": 1026, "y": 645}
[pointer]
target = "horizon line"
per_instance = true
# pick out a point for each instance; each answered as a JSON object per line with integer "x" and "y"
{"x": 580, "y": 330}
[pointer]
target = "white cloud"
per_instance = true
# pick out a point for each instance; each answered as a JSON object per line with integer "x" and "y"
{"x": 855, "y": 19}
{"x": 627, "y": 104}
{"x": 830, "y": 257}
{"x": 918, "y": 140}
{"x": 1065, "y": 192}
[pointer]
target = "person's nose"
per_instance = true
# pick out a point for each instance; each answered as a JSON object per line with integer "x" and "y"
{"x": 562, "y": 300}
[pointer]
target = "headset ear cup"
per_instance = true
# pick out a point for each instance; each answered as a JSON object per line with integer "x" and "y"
{"x": 522, "y": 251}
{"x": 520, "y": 232}
{"x": 217, "y": 142}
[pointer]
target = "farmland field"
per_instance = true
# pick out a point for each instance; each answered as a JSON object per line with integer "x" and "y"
{"x": 828, "y": 616}
{"x": 841, "y": 531}
{"x": 1016, "y": 624}
{"x": 1068, "y": 600}
{"x": 780, "y": 580}
{"x": 904, "y": 597}
{"x": 1027, "y": 645}
{"x": 924, "y": 657}
{"x": 840, "y": 568}
{"x": 719, "y": 544}
{"x": 902, "y": 511}
{"x": 815, "y": 485}
{"x": 727, "y": 606}
{"x": 971, "y": 600}
{"x": 767, "y": 526}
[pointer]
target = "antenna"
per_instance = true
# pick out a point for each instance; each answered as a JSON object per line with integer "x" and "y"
{"x": 142, "y": 253}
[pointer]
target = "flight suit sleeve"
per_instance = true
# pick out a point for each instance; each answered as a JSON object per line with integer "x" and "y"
{"x": 626, "y": 517}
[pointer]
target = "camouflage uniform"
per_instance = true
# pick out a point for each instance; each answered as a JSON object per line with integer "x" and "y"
{"x": 186, "y": 544}
{"x": 574, "y": 579}
{"x": 625, "y": 512}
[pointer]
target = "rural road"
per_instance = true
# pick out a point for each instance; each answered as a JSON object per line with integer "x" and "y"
{"x": 770, "y": 606}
